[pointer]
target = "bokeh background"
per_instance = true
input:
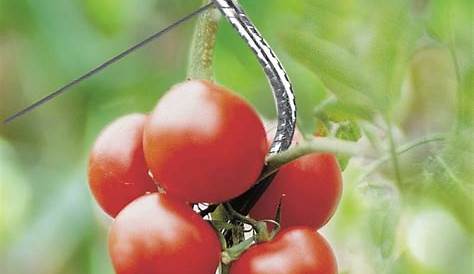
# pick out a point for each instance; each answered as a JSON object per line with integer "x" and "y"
{"x": 382, "y": 73}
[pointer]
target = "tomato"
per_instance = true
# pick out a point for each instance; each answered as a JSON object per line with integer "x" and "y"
{"x": 157, "y": 234}
{"x": 297, "y": 250}
{"x": 117, "y": 170}
{"x": 203, "y": 143}
{"x": 309, "y": 187}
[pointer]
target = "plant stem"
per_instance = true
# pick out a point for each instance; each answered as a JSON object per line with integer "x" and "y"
{"x": 201, "y": 54}
{"x": 246, "y": 201}
{"x": 225, "y": 269}
{"x": 401, "y": 150}
{"x": 231, "y": 254}
{"x": 317, "y": 144}
{"x": 393, "y": 153}
{"x": 452, "y": 46}
{"x": 237, "y": 216}
{"x": 331, "y": 145}
{"x": 200, "y": 67}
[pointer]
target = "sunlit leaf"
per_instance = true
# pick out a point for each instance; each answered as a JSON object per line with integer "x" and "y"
{"x": 341, "y": 72}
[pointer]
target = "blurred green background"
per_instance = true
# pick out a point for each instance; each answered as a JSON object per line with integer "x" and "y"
{"x": 380, "y": 73}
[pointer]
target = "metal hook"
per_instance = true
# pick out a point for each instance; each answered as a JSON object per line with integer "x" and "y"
{"x": 281, "y": 88}
{"x": 276, "y": 74}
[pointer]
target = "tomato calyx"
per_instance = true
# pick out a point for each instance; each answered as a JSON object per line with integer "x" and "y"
{"x": 233, "y": 253}
{"x": 260, "y": 228}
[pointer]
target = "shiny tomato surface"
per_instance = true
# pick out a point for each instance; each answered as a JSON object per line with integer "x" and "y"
{"x": 297, "y": 250}
{"x": 203, "y": 143}
{"x": 157, "y": 234}
{"x": 309, "y": 188}
{"x": 117, "y": 170}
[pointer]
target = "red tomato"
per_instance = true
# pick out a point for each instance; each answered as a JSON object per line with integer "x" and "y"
{"x": 157, "y": 234}
{"x": 204, "y": 144}
{"x": 297, "y": 250}
{"x": 117, "y": 170}
{"x": 310, "y": 188}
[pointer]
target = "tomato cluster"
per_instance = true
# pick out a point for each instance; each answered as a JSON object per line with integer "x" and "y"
{"x": 309, "y": 189}
{"x": 203, "y": 144}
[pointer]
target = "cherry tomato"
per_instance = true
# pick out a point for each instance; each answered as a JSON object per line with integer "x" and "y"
{"x": 203, "y": 143}
{"x": 297, "y": 250}
{"x": 309, "y": 188}
{"x": 117, "y": 170}
{"x": 157, "y": 234}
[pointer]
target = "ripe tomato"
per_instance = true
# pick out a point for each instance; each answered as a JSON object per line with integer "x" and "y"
{"x": 310, "y": 188}
{"x": 117, "y": 170}
{"x": 157, "y": 234}
{"x": 297, "y": 250}
{"x": 203, "y": 143}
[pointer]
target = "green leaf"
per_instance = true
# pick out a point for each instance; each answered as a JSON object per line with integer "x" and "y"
{"x": 383, "y": 216}
{"x": 337, "y": 111}
{"x": 350, "y": 131}
{"x": 393, "y": 40}
{"x": 341, "y": 72}
{"x": 335, "y": 119}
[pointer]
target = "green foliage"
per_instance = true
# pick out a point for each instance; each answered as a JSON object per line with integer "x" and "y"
{"x": 13, "y": 191}
{"x": 362, "y": 70}
{"x": 337, "y": 68}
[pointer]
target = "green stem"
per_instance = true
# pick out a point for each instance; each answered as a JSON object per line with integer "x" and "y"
{"x": 202, "y": 48}
{"x": 219, "y": 216}
{"x": 452, "y": 46}
{"x": 225, "y": 269}
{"x": 393, "y": 153}
{"x": 321, "y": 107}
{"x": 260, "y": 227}
{"x": 401, "y": 150}
{"x": 231, "y": 254}
{"x": 450, "y": 172}
{"x": 332, "y": 145}
{"x": 200, "y": 67}
{"x": 237, "y": 216}
{"x": 318, "y": 144}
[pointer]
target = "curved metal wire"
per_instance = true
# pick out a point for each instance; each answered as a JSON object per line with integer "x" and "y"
{"x": 281, "y": 88}
{"x": 276, "y": 74}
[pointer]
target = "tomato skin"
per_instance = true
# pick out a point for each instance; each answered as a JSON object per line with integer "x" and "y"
{"x": 204, "y": 144}
{"x": 157, "y": 234}
{"x": 297, "y": 250}
{"x": 117, "y": 170}
{"x": 312, "y": 187}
